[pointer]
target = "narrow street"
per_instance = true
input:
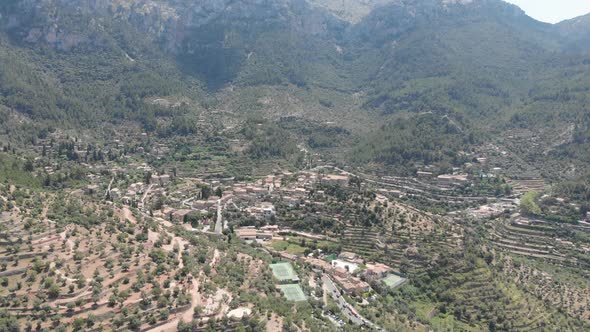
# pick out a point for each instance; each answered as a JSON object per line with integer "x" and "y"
{"x": 145, "y": 195}
{"x": 219, "y": 222}
{"x": 346, "y": 308}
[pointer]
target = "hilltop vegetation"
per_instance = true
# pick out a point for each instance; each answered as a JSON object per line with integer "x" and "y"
{"x": 485, "y": 66}
{"x": 428, "y": 139}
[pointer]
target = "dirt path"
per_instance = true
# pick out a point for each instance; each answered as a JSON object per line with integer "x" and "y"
{"x": 164, "y": 222}
{"x": 85, "y": 293}
{"x": 128, "y": 215}
{"x": 216, "y": 304}
{"x": 325, "y": 291}
{"x": 61, "y": 274}
{"x": 216, "y": 255}
{"x": 196, "y": 301}
{"x": 45, "y": 211}
{"x": 186, "y": 316}
{"x": 180, "y": 243}
{"x": 69, "y": 242}
{"x": 180, "y": 260}
{"x": 219, "y": 222}
{"x": 274, "y": 324}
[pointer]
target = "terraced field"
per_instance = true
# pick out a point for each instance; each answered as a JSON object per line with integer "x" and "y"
{"x": 405, "y": 233}
{"x": 523, "y": 186}
{"x": 542, "y": 240}
{"x": 477, "y": 289}
{"x": 479, "y": 297}
{"x": 87, "y": 276}
{"x": 548, "y": 260}
{"x": 431, "y": 193}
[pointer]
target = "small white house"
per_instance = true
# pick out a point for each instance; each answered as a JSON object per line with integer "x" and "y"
{"x": 348, "y": 266}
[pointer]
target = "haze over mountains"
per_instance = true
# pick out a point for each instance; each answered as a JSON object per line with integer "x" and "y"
{"x": 483, "y": 64}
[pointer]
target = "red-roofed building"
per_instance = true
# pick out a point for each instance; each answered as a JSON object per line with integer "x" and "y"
{"x": 376, "y": 270}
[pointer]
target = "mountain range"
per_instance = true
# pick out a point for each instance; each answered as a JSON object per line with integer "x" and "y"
{"x": 461, "y": 73}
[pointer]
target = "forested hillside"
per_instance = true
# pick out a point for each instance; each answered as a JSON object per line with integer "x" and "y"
{"x": 575, "y": 33}
{"x": 483, "y": 65}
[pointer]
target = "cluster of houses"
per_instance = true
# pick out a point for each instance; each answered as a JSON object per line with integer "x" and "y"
{"x": 447, "y": 181}
{"x": 252, "y": 234}
{"x": 492, "y": 210}
{"x": 133, "y": 191}
{"x": 346, "y": 271}
{"x": 253, "y": 198}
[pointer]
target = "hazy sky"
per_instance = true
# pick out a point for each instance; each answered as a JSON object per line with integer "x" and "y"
{"x": 553, "y": 11}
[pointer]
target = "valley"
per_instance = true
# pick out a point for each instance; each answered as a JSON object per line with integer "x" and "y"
{"x": 292, "y": 165}
{"x": 151, "y": 244}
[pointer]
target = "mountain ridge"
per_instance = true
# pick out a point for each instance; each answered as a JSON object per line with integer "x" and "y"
{"x": 475, "y": 61}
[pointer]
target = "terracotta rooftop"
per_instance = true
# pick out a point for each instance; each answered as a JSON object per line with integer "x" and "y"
{"x": 378, "y": 268}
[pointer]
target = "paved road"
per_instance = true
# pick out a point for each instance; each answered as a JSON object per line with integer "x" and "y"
{"x": 145, "y": 195}
{"x": 108, "y": 192}
{"x": 346, "y": 309}
{"x": 219, "y": 223}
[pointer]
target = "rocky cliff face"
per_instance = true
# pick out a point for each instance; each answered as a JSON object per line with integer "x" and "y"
{"x": 66, "y": 24}
{"x": 352, "y": 11}
{"x": 576, "y": 33}
{"x": 61, "y": 24}
{"x": 278, "y": 41}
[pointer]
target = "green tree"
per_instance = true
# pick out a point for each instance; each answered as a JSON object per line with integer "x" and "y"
{"x": 528, "y": 204}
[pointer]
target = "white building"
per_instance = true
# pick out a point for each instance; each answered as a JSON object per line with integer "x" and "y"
{"x": 348, "y": 266}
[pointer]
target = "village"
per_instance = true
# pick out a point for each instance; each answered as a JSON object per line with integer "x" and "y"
{"x": 214, "y": 204}
{"x": 336, "y": 235}
{"x": 258, "y": 212}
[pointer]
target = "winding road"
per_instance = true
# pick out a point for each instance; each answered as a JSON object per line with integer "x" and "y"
{"x": 346, "y": 308}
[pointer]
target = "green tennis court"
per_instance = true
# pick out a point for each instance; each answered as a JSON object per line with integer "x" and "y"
{"x": 284, "y": 272}
{"x": 393, "y": 281}
{"x": 293, "y": 292}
